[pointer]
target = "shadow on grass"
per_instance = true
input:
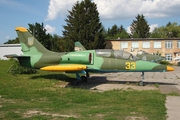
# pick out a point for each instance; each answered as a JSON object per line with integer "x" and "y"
{"x": 52, "y": 76}
{"x": 92, "y": 81}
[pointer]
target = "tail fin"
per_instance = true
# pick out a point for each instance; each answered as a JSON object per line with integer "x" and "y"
{"x": 29, "y": 44}
{"x": 79, "y": 47}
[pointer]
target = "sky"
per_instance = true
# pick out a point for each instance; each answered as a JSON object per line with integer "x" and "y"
{"x": 20, "y": 13}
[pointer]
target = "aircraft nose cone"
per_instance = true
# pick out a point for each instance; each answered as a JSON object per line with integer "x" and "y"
{"x": 169, "y": 68}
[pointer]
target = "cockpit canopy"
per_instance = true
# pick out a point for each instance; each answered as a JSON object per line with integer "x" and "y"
{"x": 141, "y": 52}
{"x": 119, "y": 54}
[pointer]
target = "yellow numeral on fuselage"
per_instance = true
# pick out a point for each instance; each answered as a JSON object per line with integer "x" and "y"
{"x": 130, "y": 65}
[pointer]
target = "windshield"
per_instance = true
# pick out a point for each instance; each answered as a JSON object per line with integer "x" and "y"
{"x": 119, "y": 54}
{"x": 141, "y": 52}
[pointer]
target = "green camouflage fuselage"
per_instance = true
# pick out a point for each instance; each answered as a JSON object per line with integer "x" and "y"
{"x": 35, "y": 55}
{"x": 97, "y": 64}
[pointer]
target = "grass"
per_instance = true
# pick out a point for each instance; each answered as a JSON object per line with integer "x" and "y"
{"x": 40, "y": 97}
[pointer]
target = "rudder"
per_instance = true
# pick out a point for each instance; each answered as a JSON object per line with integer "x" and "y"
{"x": 29, "y": 44}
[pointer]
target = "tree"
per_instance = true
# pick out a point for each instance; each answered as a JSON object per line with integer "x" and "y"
{"x": 54, "y": 43}
{"x": 171, "y": 30}
{"x": 168, "y": 24}
{"x": 39, "y": 32}
{"x": 155, "y": 33}
{"x": 13, "y": 41}
{"x": 122, "y": 33}
{"x": 140, "y": 28}
{"x": 83, "y": 24}
{"x": 114, "y": 32}
{"x": 59, "y": 44}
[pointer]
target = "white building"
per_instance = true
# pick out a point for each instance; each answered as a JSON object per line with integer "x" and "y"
{"x": 6, "y": 49}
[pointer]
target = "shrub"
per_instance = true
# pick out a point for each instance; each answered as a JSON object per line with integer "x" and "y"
{"x": 17, "y": 69}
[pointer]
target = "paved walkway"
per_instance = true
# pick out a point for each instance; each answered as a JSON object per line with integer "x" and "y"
{"x": 173, "y": 107}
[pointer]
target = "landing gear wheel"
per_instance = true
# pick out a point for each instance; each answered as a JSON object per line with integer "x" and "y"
{"x": 84, "y": 78}
{"x": 141, "y": 83}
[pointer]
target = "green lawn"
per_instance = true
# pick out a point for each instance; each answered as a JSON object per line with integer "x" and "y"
{"x": 39, "y": 96}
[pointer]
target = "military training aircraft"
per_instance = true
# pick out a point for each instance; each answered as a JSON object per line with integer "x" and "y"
{"x": 35, "y": 55}
{"x": 140, "y": 54}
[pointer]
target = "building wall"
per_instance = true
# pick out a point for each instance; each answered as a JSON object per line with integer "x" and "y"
{"x": 6, "y": 49}
{"x": 175, "y": 51}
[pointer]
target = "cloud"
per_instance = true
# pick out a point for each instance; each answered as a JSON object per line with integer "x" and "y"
{"x": 152, "y": 27}
{"x": 59, "y": 8}
{"x": 124, "y": 9}
{"x": 50, "y": 29}
{"x": 128, "y": 29}
{"x": 120, "y": 9}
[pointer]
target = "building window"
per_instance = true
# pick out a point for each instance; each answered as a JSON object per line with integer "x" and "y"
{"x": 168, "y": 44}
{"x": 124, "y": 45}
{"x": 146, "y": 44}
{"x": 135, "y": 45}
{"x": 157, "y": 44}
{"x": 178, "y": 44}
{"x": 168, "y": 57}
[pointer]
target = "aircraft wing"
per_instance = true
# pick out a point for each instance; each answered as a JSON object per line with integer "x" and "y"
{"x": 65, "y": 67}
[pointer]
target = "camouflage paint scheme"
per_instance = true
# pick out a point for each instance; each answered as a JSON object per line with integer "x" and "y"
{"x": 149, "y": 57}
{"x": 140, "y": 54}
{"x": 35, "y": 55}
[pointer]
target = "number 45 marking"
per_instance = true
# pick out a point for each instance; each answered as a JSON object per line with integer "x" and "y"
{"x": 130, "y": 65}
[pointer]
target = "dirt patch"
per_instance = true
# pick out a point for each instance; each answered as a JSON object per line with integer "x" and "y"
{"x": 34, "y": 112}
{"x": 136, "y": 118}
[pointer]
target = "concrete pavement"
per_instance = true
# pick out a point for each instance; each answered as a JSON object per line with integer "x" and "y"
{"x": 173, "y": 107}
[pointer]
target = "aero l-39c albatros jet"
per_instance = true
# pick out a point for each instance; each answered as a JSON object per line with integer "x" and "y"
{"x": 35, "y": 55}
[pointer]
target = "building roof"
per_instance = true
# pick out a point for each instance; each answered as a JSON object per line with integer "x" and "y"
{"x": 143, "y": 39}
{"x": 10, "y": 45}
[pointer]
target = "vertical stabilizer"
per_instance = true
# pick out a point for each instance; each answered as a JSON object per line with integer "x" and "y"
{"x": 79, "y": 47}
{"x": 29, "y": 44}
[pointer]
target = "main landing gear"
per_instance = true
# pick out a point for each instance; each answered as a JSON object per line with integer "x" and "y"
{"x": 80, "y": 78}
{"x": 141, "y": 82}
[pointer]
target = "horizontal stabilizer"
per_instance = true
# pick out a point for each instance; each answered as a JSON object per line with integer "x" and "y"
{"x": 11, "y": 56}
{"x": 65, "y": 67}
{"x": 23, "y": 60}
{"x": 16, "y": 56}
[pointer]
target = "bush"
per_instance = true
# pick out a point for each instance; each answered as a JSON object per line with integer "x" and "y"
{"x": 17, "y": 69}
